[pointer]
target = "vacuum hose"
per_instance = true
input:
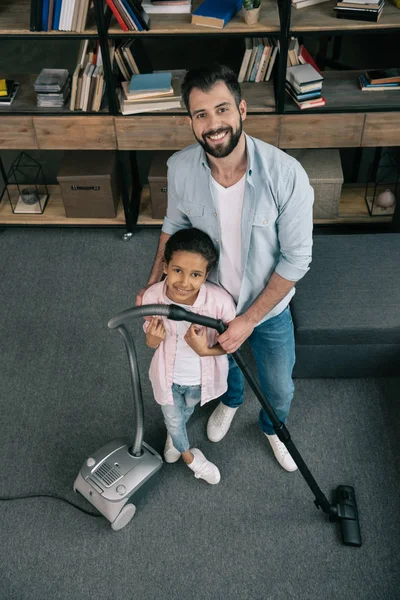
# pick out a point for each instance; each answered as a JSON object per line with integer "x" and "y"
{"x": 171, "y": 311}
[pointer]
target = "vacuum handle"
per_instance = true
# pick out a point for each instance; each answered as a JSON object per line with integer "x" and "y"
{"x": 170, "y": 311}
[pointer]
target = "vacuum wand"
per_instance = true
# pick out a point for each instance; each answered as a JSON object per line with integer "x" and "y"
{"x": 344, "y": 508}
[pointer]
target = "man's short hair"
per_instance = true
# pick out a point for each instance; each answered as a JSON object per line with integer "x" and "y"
{"x": 206, "y": 77}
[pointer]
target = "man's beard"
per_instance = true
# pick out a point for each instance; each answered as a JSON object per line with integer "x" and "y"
{"x": 224, "y": 149}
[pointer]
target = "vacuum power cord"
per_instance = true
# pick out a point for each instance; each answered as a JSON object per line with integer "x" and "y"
{"x": 10, "y": 498}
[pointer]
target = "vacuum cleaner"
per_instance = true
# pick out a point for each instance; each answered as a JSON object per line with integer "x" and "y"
{"x": 115, "y": 477}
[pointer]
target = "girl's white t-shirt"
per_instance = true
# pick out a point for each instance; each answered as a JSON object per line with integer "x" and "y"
{"x": 187, "y": 365}
{"x": 229, "y": 203}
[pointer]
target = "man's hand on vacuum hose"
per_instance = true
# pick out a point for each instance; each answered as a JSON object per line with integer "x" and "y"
{"x": 237, "y": 333}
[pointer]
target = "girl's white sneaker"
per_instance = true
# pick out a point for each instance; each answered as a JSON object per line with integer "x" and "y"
{"x": 203, "y": 468}
{"x": 171, "y": 454}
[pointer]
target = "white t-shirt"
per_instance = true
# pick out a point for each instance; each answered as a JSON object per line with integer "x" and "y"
{"x": 187, "y": 365}
{"x": 229, "y": 203}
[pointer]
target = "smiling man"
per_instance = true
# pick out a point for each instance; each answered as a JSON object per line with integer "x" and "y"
{"x": 255, "y": 202}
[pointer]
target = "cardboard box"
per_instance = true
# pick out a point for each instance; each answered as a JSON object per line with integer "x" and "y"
{"x": 324, "y": 170}
{"x": 158, "y": 184}
{"x": 89, "y": 184}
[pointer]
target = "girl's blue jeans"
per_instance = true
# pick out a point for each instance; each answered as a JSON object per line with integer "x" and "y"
{"x": 272, "y": 344}
{"x": 176, "y": 415}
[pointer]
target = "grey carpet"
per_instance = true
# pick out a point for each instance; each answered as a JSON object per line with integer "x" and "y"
{"x": 257, "y": 535}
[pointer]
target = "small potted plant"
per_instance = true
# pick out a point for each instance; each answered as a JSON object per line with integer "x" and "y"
{"x": 251, "y": 11}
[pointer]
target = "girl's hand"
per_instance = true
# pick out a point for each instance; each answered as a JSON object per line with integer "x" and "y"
{"x": 196, "y": 338}
{"x": 155, "y": 332}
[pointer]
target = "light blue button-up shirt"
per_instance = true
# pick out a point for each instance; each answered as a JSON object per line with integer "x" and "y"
{"x": 276, "y": 216}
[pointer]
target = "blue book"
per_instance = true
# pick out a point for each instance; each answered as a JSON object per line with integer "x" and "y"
{"x": 57, "y": 14}
{"x": 150, "y": 82}
{"x": 45, "y": 14}
{"x": 132, "y": 15}
{"x": 216, "y": 13}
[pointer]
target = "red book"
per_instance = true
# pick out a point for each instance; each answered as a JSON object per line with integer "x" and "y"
{"x": 117, "y": 15}
{"x": 306, "y": 58}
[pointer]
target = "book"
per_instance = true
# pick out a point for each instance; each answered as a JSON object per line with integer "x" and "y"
{"x": 216, "y": 13}
{"x": 56, "y": 14}
{"x": 366, "y": 86}
{"x": 139, "y": 15}
{"x": 383, "y": 76}
{"x": 271, "y": 61}
{"x": 306, "y": 58}
{"x": 150, "y": 83}
{"x": 175, "y": 94}
{"x": 360, "y": 6}
{"x": 301, "y": 75}
{"x": 303, "y": 95}
{"x": 305, "y": 3}
{"x": 45, "y": 14}
{"x": 116, "y": 14}
{"x": 260, "y": 49}
{"x": 245, "y": 60}
{"x": 265, "y": 58}
{"x": 307, "y": 103}
{"x": 3, "y": 87}
{"x": 12, "y": 89}
{"x": 358, "y": 15}
{"x": 166, "y": 9}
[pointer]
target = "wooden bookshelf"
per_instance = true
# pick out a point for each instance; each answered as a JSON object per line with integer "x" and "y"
{"x": 181, "y": 24}
{"x": 342, "y": 92}
{"x": 352, "y": 209}
{"x": 322, "y": 17}
{"x": 54, "y": 213}
{"x": 15, "y": 17}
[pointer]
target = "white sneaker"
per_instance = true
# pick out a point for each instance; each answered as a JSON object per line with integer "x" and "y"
{"x": 219, "y": 422}
{"x": 171, "y": 454}
{"x": 203, "y": 468}
{"x": 281, "y": 453}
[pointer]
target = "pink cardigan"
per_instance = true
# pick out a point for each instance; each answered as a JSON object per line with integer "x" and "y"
{"x": 212, "y": 301}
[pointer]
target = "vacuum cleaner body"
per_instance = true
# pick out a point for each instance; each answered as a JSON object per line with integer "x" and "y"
{"x": 113, "y": 479}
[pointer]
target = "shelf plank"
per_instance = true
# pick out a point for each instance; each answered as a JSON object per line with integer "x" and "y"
{"x": 321, "y": 131}
{"x": 352, "y": 209}
{"x": 382, "y": 129}
{"x": 181, "y": 24}
{"x": 174, "y": 132}
{"x": 342, "y": 92}
{"x": 322, "y": 17}
{"x": 17, "y": 133}
{"x": 54, "y": 213}
{"x": 15, "y": 17}
{"x": 75, "y": 133}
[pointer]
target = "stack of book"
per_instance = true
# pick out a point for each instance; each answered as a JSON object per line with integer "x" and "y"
{"x": 8, "y": 91}
{"x": 61, "y": 15}
{"x": 380, "y": 80}
{"x": 130, "y": 15}
{"x": 52, "y": 87}
{"x": 88, "y": 85}
{"x": 167, "y": 7}
{"x": 131, "y": 59}
{"x": 304, "y": 3}
{"x": 149, "y": 92}
{"x": 304, "y": 85}
{"x": 360, "y": 10}
{"x": 258, "y": 59}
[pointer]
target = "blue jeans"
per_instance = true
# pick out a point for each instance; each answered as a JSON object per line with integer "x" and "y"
{"x": 272, "y": 344}
{"x": 176, "y": 415}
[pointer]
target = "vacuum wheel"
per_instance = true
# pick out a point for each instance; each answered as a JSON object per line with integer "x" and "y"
{"x": 126, "y": 514}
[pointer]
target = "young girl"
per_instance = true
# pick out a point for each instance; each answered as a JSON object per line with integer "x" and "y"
{"x": 189, "y": 366}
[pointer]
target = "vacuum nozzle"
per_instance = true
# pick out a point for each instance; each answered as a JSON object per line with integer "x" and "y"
{"x": 345, "y": 512}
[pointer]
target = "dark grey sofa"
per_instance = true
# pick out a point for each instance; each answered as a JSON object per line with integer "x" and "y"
{"x": 346, "y": 310}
